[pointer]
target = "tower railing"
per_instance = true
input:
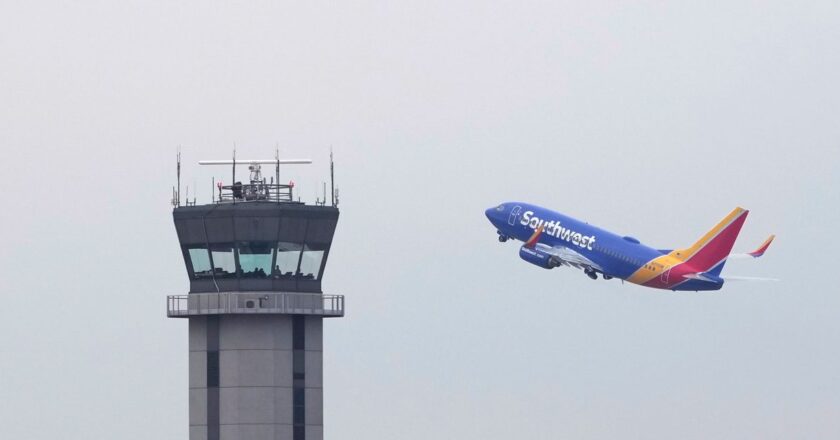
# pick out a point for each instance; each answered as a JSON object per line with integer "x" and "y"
{"x": 255, "y": 192}
{"x": 254, "y": 303}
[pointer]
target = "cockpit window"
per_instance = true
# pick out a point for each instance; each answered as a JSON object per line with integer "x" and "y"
{"x": 500, "y": 208}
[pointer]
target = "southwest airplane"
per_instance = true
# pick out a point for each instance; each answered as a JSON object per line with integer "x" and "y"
{"x": 553, "y": 239}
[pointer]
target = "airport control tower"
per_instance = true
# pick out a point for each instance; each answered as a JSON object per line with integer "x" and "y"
{"x": 255, "y": 258}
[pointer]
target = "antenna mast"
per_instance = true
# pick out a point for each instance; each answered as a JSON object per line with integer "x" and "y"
{"x": 277, "y": 168}
{"x": 178, "y": 194}
{"x": 233, "y": 166}
{"x": 332, "y": 179}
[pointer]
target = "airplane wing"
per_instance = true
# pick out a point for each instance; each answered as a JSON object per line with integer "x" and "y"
{"x": 756, "y": 253}
{"x": 561, "y": 254}
{"x": 568, "y": 257}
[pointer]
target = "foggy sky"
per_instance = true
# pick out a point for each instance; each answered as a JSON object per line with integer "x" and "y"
{"x": 653, "y": 119}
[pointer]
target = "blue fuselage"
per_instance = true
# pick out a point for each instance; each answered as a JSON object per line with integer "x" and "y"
{"x": 616, "y": 256}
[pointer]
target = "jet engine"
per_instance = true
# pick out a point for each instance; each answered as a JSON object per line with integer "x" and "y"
{"x": 537, "y": 257}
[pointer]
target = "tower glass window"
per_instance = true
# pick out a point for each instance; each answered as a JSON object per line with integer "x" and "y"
{"x": 288, "y": 257}
{"x": 255, "y": 259}
{"x": 310, "y": 262}
{"x": 224, "y": 260}
{"x": 200, "y": 260}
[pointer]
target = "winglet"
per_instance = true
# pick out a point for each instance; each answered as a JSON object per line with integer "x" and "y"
{"x": 534, "y": 238}
{"x": 763, "y": 248}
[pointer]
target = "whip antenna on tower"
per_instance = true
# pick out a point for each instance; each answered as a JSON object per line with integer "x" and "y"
{"x": 277, "y": 167}
{"x": 178, "y": 194}
{"x": 332, "y": 179}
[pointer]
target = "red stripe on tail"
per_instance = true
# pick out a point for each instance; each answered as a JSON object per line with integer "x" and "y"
{"x": 718, "y": 247}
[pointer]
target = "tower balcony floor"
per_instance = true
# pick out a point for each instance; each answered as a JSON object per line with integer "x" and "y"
{"x": 283, "y": 303}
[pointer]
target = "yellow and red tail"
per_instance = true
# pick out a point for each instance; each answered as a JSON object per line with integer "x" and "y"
{"x": 712, "y": 249}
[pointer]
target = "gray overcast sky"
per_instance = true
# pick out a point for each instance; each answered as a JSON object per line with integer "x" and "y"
{"x": 648, "y": 118}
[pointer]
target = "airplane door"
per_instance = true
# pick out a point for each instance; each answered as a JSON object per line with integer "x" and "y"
{"x": 514, "y": 215}
{"x": 665, "y": 274}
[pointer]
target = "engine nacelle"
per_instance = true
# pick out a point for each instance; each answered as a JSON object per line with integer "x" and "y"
{"x": 538, "y": 258}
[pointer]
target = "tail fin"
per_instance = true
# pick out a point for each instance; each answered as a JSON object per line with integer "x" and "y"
{"x": 709, "y": 253}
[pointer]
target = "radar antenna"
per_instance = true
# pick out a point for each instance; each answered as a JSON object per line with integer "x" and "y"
{"x": 257, "y": 189}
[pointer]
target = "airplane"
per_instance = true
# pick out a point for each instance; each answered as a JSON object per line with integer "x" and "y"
{"x": 552, "y": 239}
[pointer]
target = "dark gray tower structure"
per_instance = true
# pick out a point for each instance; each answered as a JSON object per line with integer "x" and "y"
{"x": 255, "y": 261}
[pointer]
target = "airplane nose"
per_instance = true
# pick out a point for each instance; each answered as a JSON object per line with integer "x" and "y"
{"x": 492, "y": 215}
{"x": 489, "y": 213}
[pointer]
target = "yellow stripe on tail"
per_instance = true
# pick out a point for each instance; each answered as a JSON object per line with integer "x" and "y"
{"x": 687, "y": 253}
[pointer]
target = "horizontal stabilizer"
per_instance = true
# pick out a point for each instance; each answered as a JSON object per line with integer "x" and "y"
{"x": 737, "y": 278}
{"x": 707, "y": 277}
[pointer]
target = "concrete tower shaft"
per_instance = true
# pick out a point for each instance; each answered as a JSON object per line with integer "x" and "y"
{"x": 255, "y": 310}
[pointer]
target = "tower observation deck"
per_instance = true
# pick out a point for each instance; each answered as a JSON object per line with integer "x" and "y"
{"x": 255, "y": 259}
